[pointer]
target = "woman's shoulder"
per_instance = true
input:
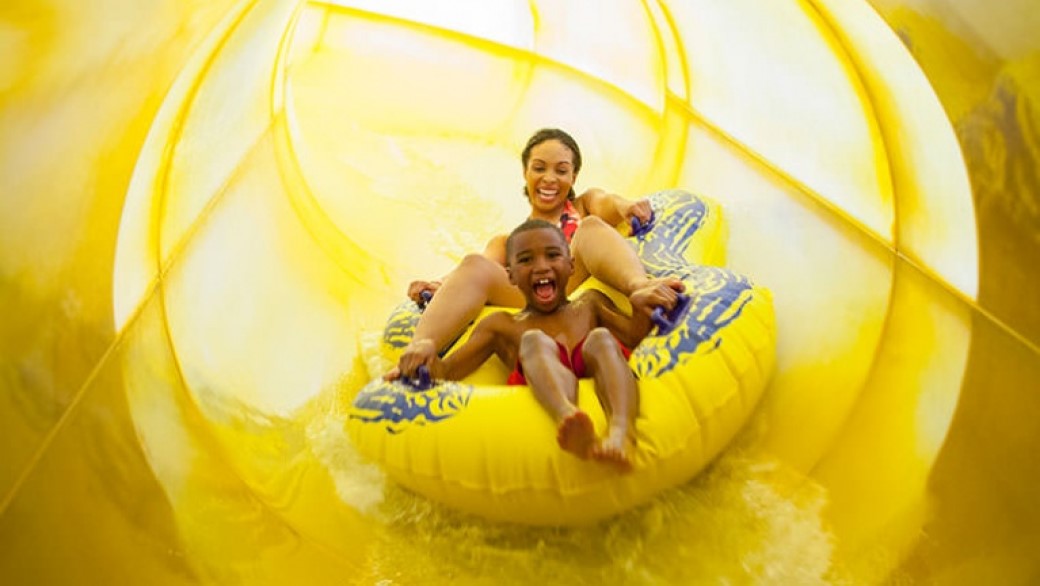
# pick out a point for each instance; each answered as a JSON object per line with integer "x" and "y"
{"x": 593, "y": 193}
{"x": 586, "y": 202}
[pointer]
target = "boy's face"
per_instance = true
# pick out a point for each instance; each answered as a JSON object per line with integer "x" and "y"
{"x": 540, "y": 264}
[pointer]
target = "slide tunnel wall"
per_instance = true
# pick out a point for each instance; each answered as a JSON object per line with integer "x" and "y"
{"x": 208, "y": 208}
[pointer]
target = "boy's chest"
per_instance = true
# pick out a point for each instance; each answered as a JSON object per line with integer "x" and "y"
{"x": 566, "y": 327}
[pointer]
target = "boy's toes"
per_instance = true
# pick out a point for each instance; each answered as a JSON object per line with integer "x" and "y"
{"x": 612, "y": 452}
{"x": 576, "y": 434}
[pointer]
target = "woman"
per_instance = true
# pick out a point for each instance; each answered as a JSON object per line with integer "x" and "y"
{"x": 551, "y": 162}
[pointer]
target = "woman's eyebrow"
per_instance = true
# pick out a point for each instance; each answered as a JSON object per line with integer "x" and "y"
{"x": 544, "y": 162}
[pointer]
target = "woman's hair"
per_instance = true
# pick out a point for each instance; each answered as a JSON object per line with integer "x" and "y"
{"x": 552, "y": 134}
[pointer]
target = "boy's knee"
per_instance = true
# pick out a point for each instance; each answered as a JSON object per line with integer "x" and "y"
{"x": 535, "y": 343}
{"x": 600, "y": 342}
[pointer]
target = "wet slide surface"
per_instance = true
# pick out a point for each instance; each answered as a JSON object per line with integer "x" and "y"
{"x": 208, "y": 209}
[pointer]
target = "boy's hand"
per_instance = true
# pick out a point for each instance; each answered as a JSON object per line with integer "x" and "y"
{"x": 435, "y": 370}
{"x": 418, "y": 353}
{"x": 394, "y": 374}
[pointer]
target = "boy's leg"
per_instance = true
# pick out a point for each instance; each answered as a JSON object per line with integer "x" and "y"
{"x": 477, "y": 281}
{"x": 618, "y": 393}
{"x": 599, "y": 250}
{"x": 556, "y": 388}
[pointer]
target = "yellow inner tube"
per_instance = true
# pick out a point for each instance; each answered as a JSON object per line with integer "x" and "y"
{"x": 490, "y": 449}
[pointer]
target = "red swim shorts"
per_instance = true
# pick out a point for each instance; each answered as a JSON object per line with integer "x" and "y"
{"x": 574, "y": 361}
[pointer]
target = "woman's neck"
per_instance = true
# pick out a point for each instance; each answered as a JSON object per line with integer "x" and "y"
{"x": 553, "y": 216}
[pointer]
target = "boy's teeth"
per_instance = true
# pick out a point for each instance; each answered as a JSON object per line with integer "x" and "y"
{"x": 544, "y": 289}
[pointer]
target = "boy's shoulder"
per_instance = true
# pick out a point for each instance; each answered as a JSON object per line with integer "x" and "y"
{"x": 594, "y": 296}
{"x": 498, "y": 318}
{"x": 592, "y": 301}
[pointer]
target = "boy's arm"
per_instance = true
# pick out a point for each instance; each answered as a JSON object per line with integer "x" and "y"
{"x": 629, "y": 330}
{"x": 632, "y": 329}
{"x": 475, "y": 351}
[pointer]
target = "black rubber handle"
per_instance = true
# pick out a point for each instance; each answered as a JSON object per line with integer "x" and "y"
{"x": 424, "y": 297}
{"x": 639, "y": 228}
{"x": 421, "y": 381}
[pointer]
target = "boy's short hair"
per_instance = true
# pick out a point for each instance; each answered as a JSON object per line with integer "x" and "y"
{"x": 533, "y": 224}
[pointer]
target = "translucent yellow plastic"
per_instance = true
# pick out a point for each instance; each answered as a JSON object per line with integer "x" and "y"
{"x": 207, "y": 206}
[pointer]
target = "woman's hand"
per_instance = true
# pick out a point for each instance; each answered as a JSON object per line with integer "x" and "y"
{"x": 656, "y": 293}
{"x": 415, "y": 289}
{"x": 635, "y": 209}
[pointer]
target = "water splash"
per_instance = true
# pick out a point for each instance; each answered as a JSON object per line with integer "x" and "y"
{"x": 744, "y": 521}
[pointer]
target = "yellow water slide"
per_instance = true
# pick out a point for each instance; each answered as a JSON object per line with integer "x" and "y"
{"x": 208, "y": 208}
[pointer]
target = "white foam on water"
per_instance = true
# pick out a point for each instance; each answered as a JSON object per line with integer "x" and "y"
{"x": 741, "y": 522}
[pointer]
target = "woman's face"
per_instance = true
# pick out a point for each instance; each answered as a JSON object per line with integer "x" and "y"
{"x": 549, "y": 175}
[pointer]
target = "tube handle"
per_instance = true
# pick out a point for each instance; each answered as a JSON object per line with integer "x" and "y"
{"x": 665, "y": 320}
{"x": 639, "y": 228}
{"x": 421, "y": 381}
{"x": 424, "y": 298}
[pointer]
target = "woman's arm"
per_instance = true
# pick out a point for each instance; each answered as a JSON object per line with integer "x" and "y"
{"x": 612, "y": 208}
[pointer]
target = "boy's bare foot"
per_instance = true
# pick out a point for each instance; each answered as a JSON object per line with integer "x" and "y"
{"x": 576, "y": 434}
{"x": 613, "y": 449}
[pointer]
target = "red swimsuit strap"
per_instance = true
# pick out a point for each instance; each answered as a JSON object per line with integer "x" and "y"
{"x": 569, "y": 220}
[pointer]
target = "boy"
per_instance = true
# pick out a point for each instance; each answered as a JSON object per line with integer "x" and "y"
{"x": 554, "y": 341}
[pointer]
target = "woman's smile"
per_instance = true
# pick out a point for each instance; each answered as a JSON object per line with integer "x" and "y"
{"x": 549, "y": 175}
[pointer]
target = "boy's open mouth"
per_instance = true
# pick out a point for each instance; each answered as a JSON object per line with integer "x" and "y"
{"x": 544, "y": 290}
